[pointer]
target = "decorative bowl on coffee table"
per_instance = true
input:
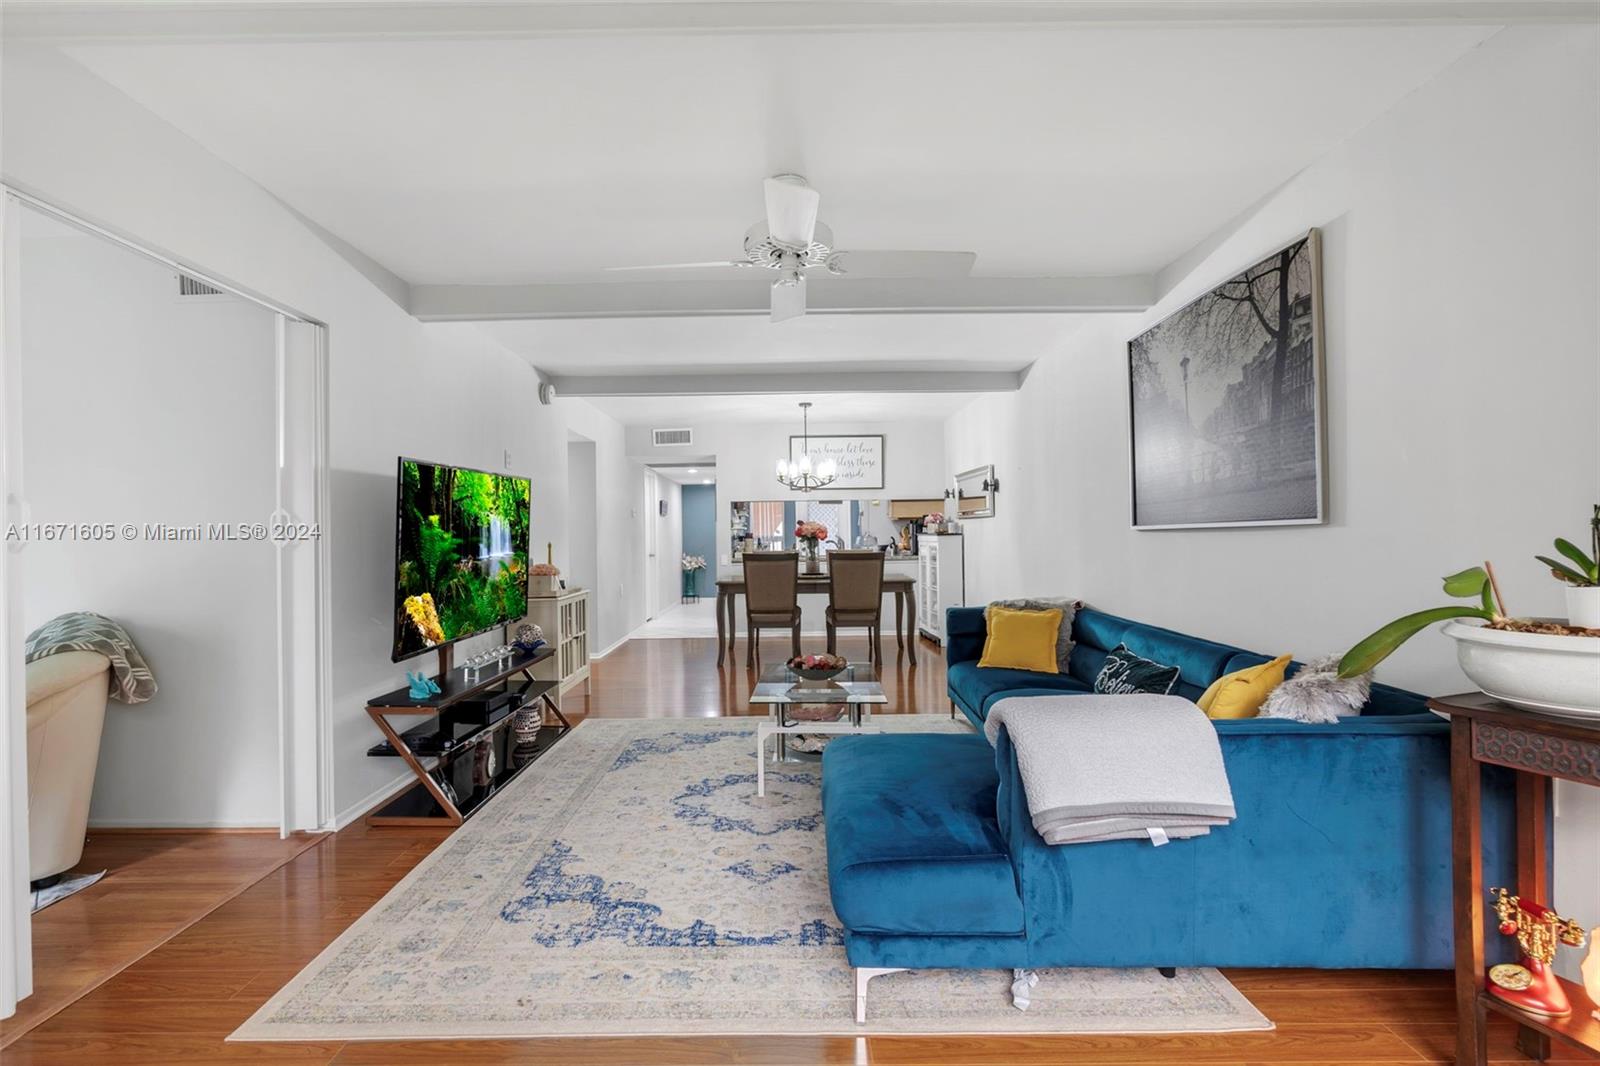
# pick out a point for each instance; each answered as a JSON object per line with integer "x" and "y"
{"x": 818, "y": 668}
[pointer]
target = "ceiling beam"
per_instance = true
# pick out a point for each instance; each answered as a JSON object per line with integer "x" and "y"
{"x": 798, "y": 382}
{"x": 84, "y": 20}
{"x": 656, "y": 299}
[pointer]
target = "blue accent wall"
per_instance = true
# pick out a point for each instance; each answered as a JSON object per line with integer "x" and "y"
{"x": 700, "y": 529}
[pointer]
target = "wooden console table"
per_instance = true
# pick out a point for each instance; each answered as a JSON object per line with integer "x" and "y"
{"x": 429, "y": 803}
{"x": 1539, "y": 747}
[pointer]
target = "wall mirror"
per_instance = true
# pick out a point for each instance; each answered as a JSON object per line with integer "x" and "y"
{"x": 975, "y": 491}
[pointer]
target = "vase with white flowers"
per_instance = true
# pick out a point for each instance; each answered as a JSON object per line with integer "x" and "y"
{"x": 692, "y": 565}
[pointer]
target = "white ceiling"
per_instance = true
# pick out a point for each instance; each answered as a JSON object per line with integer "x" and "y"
{"x": 1088, "y": 150}
{"x": 626, "y": 346}
{"x": 1076, "y": 158}
{"x": 833, "y": 407}
{"x": 705, "y": 474}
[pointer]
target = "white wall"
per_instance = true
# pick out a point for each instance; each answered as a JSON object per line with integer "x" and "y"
{"x": 1463, "y": 373}
{"x": 395, "y": 385}
{"x": 145, "y": 407}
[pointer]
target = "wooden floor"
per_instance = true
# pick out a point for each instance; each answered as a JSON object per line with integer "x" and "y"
{"x": 178, "y": 1003}
{"x": 156, "y": 885}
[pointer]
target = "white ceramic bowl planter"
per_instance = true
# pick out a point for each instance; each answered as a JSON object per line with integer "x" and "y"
{"x": 1534, "y": 671}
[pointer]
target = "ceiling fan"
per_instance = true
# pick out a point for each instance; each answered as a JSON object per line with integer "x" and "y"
{"x": 791, "y": 241}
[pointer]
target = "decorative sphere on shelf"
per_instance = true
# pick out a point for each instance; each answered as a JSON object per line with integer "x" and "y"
{"x": 529, "y": 636}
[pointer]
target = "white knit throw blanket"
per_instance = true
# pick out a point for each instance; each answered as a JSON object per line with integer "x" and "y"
{"x": 1131, "y": 767}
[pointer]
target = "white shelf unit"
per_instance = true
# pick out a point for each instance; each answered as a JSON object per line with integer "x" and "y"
{"x": 564, "y": 618}
{"x": 941, "y": 581}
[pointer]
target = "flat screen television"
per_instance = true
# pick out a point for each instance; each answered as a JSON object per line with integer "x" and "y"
{"x": 460, "y": 555}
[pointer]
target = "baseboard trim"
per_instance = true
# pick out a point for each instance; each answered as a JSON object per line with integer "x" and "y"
{"x": 375, "y": 798}
{"x": 614, "y": 646}
{"x": 183, "y": 827}
{"x": 132, "y": 829}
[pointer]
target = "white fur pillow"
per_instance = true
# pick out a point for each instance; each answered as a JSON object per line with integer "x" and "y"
{"x": 1317, "y": 694}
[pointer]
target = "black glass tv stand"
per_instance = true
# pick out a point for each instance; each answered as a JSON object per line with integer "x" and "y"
{"x": 449, "y": 788}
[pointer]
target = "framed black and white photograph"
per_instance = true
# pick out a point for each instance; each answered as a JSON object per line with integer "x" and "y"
{"x": 859, "y": 458}
{"x": 1226, "y": 401}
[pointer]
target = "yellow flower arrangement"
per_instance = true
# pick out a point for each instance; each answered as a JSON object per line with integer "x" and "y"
{"x": 426, "y": 618}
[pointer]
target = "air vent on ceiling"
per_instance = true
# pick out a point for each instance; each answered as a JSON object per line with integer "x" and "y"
{"x": 665, "y": 438}
{"x": 188, "y": 286}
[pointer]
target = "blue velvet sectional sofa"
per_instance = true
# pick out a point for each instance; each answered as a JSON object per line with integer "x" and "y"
{"x": 1339, "y": 856}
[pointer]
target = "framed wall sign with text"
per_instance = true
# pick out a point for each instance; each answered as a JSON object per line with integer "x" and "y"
{"x": 859, "y": 458}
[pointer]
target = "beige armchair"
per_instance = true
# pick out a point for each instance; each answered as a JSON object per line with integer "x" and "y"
{"x": 66, "y": 709}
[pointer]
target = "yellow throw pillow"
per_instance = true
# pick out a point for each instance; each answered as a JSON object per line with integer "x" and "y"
{"x": 1021, "y": 640}
{"x": 1241, "y": 693}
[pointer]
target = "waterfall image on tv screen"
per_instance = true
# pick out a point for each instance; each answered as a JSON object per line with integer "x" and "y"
{"x": 461, "y": 554}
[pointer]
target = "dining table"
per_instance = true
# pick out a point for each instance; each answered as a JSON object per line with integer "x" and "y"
{"x": 903, "y": 586}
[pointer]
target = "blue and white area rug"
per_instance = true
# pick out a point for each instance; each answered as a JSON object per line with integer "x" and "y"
{"x": 632, "y": 884}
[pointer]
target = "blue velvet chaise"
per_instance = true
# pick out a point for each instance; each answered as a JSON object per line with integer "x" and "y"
{"x": 1339, "y": 856}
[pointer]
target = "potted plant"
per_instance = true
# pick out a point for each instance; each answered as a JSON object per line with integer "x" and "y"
{"x": 1581, "y": 575}
{"x": 1533, "y": 664}
{"x": 933, "y": 523}
{"x": 810, "y": 535}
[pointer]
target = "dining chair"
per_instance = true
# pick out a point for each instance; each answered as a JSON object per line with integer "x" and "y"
{"x": 771, "y": 598}
{"x": 855, "y": 596}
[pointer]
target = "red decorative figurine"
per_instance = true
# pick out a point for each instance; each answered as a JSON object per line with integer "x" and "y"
{"x": 1529, "y": 984}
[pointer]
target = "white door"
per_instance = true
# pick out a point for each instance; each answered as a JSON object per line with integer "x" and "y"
{"x": 16, "y": 939}
{"x": 300, "y": 540}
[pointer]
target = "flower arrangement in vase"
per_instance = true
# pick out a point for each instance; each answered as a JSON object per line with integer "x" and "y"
{"x": 692, "y": 565}
{"x": 811, "y": 535}
{"x": 933, "y": 523}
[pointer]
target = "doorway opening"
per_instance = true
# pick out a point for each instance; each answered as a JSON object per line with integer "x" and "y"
{"x": 683, "y": 571}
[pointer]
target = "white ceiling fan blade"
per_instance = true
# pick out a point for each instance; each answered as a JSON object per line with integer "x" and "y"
{"x": 689, "y": 266}
{"x": 788, "y": 299}
{"x": 901, "y": 264}
{"x": 791, "y": 209}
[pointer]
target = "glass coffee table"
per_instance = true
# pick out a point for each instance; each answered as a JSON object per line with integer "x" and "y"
{"x": 841, "y": 704}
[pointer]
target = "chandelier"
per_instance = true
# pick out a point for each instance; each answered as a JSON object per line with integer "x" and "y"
{"x": 799, "y": 476}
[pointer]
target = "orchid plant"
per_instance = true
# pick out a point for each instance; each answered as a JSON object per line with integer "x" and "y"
{"x": 1475, "y": 582}
{"x": 1579, "y": 570}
